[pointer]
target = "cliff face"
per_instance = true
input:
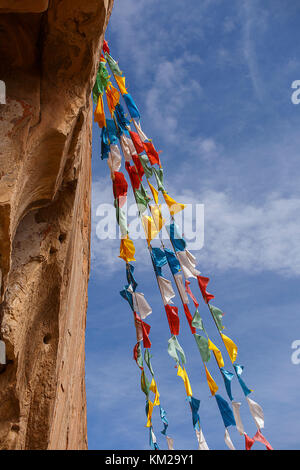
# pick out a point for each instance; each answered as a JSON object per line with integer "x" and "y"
{"x": 48, "y": 59}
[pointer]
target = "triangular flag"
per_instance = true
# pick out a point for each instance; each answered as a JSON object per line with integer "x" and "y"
{"x": 231, "y": 347}
{"x": 174, "y": 207}
{"x": 217, "y": 353}
{"x": 211, "y": 383}
{"x": 181, "y": 372}
{"x": 121, "y": 84}
{"x": 127, "y": 250}
{"x": 99, "y": 115}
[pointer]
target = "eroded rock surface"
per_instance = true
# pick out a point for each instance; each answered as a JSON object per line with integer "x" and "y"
{"x": 49, "y": 54}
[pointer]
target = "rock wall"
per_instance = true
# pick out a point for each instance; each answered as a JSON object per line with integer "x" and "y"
{"x": 49, "y": 52}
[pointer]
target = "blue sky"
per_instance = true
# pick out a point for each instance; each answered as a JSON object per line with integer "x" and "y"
{"x": 212, "y": 80}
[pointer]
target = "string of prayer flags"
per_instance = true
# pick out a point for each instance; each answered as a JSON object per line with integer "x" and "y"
{"x": 141, "y": 159}
{"x": 127, "y": 250}
{"x": 231, "y": 347}
{"x": 174, "y": 207}
{"x": 203, "y": 282}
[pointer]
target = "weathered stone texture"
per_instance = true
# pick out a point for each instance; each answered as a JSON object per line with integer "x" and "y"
{"x": 49, "y": 53}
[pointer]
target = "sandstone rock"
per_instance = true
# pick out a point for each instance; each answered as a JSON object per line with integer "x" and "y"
{"x": 48, "y": 61}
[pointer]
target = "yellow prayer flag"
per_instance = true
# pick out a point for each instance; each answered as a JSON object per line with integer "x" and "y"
{"x": 157, "y": 217}
{"x": 127, "y": 250}
{"x": 231, "y": 347}
{"x": 154, "y": 193}
{"x": 121, "y": 83}
{"x": 153, "y": 388}
{"x": 150, "y": 228}
{"x": 183, "y": 374}
{"x": 217, "y": 353}
{"x": 99, "y": 115}
{"x": 149, "y": 416}
{"x": 112, "y": 96}
{"x": 174, "y": 206}
{"x": 211, "y": 383}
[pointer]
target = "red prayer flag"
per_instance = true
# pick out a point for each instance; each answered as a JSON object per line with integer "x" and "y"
{"x": 146, "y": 330}
{"x": 248, "y": 442}
{"x": 120, "y": 187}
{"x": 138, "y": 165}
{"x": 189, "y": 317}
{"x": 105, "y": 47}
{"x": 152, "y": 153}
{"x": 188, "y": 290}
{"x": 136, "y": 141}
{"x": 173, "y": 319}
{"x": 203, "y": 281}
{"x": 259, "y": 437}
{"x": 135, "y": 355}
{"x": 133, "y": 175}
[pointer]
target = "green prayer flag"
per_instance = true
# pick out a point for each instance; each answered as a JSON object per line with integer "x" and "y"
{"x": 122, "y": 220}
{"x": 173, "y": 347}
{"x": 202, "y": 344}
{"x": 102, "y": 80}
{"x": 113, "y": 65}
{"x": 145, "y": 164}
{"x": 218, "y": 316}
{"x": 197, "y": 321}
{"x": 139, "y": 356}
{"x": 159, "y": 176}
{"x": 141, "y": 200}
{"x": 147, "y": 357}
{"x": 145, "y": 385}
